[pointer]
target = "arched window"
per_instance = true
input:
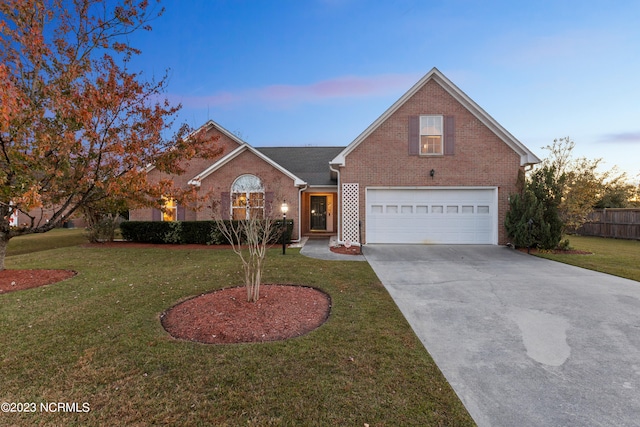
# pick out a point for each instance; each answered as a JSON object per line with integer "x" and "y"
{"x": 247, "y": 198}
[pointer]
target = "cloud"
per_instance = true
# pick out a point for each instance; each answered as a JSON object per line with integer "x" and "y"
{"x": 284, "y": 95}
{"x": 569, "y": 47}
{"x": 623, "y": 137}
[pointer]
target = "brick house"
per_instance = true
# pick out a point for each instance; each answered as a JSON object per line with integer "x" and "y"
{"x": 433, "y": 168}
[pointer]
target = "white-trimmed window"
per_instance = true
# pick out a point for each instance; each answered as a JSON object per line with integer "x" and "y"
{"x": 247, "y": 197}
{"x": 170, "y": 210}
{"x": 431, "y": 135}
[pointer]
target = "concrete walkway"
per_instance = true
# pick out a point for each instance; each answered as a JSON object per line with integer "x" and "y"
{"x": 522, "y": 340}
{"x": 319, "y": 249}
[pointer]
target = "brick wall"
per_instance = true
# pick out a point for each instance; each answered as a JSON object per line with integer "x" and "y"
{"x": 480, "y": 158}
{"x": 221, "y": 180}
{"x": 196, "y": 165}
{"x": 274, "y": 181}
{"x": 192, "y": 168}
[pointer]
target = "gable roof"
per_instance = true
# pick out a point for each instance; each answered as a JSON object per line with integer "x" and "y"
{"x": 209, "y": 124}
{"x": 309, "y": 163}
{"x": 196, "y": 180}
{"x": 527, "y": 157}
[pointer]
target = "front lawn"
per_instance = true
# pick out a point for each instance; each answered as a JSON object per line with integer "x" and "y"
{"x": 96, "y": 338}
{"x": 614, "y": 256}
{"x": 54, "y": 239}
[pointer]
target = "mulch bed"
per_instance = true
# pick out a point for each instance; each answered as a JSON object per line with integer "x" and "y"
{"x": 16, "y": 280}
{"x": 353, "y": 250}
{"x": 225, "y": 316}
{"x": 153, "y": 245}
{"x": 555, "y": 251}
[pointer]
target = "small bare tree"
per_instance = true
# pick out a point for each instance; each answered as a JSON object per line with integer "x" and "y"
{"x": 250, "y": 239}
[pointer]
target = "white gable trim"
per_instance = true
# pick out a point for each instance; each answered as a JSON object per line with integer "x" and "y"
{"x": 526, "y": 156}
{"x": 197, "y": 180}
{"x": 210, "y": 123}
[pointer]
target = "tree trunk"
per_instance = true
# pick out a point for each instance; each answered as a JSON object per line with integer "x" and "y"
{"x": 4, "y": 241}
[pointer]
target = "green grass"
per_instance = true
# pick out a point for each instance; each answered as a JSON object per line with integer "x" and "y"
{"x": 56, "y": 238}
{"x": 97, "y": 338}
{"x": 613, "y": 256}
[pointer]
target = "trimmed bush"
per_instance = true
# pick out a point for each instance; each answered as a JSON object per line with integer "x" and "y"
{"x": 288, "y": 232}
{"x": 184, "y": 232}
{"x": 144, "y": 231}
{"x": 198, "y": 232}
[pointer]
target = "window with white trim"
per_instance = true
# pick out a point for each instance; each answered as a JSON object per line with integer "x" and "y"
{"x": 247, "y": 198}
{"x": 431, "y": 135}
{"x": 169, "y": 209}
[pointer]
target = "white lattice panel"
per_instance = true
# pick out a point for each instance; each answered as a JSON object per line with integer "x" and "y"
{"x": 350, "y": 212}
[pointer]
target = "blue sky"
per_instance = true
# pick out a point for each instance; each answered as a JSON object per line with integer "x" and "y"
{"x": 318, "y": 72}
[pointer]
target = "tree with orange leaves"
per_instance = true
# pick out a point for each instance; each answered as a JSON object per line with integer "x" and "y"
{"x": 75, "y": 124}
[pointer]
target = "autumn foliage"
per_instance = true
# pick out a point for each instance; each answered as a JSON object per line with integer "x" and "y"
{"x": 76, "y": 125}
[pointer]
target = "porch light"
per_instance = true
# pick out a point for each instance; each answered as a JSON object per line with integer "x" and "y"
{"x": 284, "y": 208}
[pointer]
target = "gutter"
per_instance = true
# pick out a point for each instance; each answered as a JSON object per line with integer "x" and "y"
{"x": 300, "y": 190}
{"x": 337, "y": 171}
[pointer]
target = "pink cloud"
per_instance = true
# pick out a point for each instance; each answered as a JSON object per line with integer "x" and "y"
{"x": 626, "y": 137}
{"x": 287, "y": 95}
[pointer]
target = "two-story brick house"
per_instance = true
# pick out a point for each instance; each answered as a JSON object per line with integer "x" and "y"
{"x": 433, "y": 168}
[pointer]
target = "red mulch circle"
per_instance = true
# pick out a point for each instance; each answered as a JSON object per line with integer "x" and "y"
{"x": 17, "y": 280}
{"x": 225, "y": 316}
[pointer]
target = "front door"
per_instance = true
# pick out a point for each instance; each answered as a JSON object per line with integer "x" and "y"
{"x": 319, "y": 213}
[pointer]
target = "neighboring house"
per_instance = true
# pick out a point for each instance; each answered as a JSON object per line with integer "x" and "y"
{"x": 41, "y": 216}
{"x": 433, "y": 168}
{"x": 14, "y": 220}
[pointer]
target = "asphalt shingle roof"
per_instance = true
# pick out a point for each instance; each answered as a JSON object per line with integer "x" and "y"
{"x": 310, "y": 164}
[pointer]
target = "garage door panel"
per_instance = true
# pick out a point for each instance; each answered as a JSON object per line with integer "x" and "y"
{"x": 447, "y": 216}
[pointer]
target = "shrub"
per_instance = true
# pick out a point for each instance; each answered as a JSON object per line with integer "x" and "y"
{"x": 103, "y": 229}
{"x": 185, "y": 232}
{"x": 144, "y": 231}
{"x": 198, "y": 232}
{"x": 174, "y": 232}
{"x": 533, "y": 219}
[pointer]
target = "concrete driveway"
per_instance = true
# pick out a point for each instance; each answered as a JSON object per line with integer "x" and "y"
{"x": 522, "y": 340}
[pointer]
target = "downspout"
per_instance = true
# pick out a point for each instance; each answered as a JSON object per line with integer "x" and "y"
{"x": 300, "y": 190}
{"x": 337, "y": 171}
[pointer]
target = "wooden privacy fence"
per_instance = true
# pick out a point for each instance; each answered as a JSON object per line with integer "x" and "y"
{"x": 613, "y": 222}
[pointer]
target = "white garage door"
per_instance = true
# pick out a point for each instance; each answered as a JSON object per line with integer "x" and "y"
{"x": 432, "y": 216}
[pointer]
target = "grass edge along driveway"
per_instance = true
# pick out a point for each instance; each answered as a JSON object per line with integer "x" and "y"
{"x": 96, "y": 338}
{"x": 612, "y": 256}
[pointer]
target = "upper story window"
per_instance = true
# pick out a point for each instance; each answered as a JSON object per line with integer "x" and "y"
{"x": 431, "y": 135}
{"x": 170, "y": 210}
{"x": 247, "y": 198}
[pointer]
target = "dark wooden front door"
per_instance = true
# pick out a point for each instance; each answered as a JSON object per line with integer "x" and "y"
{"x": 318, "y": 212}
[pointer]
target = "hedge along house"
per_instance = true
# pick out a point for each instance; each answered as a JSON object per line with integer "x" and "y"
{"x": 433, "y": 168}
